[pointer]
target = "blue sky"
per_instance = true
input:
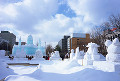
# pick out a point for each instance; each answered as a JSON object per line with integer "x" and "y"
{"x": 50, "y": 20}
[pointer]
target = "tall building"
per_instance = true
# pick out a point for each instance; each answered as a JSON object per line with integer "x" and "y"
{"x": 10, "y": 38}
{"x": 63, "y": 44}
{"x": 78, "y": 40}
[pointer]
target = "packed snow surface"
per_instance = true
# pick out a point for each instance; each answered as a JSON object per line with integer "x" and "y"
{"x": 54, "y": 70}
{"x": 58, "y": 71}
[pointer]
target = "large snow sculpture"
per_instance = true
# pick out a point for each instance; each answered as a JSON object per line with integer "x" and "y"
{"x": 112, "y": 63}
{"x": 55, "y": 56}
{"x": 28, "y": 49}
{"x": 72, "y": 54}
{"x": 113, "y": 51}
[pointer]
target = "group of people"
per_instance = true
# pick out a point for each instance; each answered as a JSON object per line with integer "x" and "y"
{"x": 11, "y": 57}
{"x": 29, "y": 57}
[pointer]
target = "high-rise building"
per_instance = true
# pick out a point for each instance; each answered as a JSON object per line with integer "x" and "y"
{"x": 78, "y": 40}
{"x": 63, "y": 44}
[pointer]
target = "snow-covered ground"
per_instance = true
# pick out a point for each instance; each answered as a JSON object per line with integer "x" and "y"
{"x": 54, "y": 71}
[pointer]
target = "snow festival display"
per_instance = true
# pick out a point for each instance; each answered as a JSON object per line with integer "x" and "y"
{"x": 92, "y": 54}
{"x": 27, "y": 49}
{"x": 55, "y": 56}
{"x": 113, "y": 51}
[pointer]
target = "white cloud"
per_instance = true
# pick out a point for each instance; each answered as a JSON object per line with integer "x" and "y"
{"x": 95, "y": 11}
{"x": 54, "y": 29}
{"x": 26, "y": 14}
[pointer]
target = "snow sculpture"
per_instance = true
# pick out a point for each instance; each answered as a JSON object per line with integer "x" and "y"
{"x": 92, "y": 54}
{"x": 113, "y": 51}
{"x": 38, "y": 53}
{"x": 72, "y": 54}
{"x": 55, "y": 56}
{"x": 112, "y": 63}
{"x": 93, "y": 51}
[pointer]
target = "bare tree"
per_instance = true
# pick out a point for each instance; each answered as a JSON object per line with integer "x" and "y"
{"x": 49, "y": 49}
{"x": 98, "y": 34}
{"x": 114, "y": 21}
{"x": 98, "y": 37}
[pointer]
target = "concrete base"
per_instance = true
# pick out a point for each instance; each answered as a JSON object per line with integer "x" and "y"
{"x": 85, "y": 62}
{"x": 107, "y": 66}
{"x": 55, "y": 58}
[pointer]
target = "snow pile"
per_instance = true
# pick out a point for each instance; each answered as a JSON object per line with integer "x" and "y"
{"x": 113, "y": 51}
{"x": 4, "y": 70}
{"x": 2, "y": 53}
{"x": 77, "y": 73}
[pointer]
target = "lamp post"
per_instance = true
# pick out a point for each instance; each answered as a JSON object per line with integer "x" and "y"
{"x": 45, "y": 47}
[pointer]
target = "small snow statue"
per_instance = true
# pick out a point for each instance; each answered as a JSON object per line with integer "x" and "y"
{"x": 72, "y": 54}
{"x": 113, "y": 51}
{"x": 93, "y": 51}
{"x": 77, "y": 53}
{"x": 38, "y": 54}
{"x": 57, "y": 55}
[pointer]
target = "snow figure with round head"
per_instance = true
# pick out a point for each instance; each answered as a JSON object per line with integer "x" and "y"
{"x": 108, "y": 42}
{"x": 72, "y": 54}
{"x": 113, "y": 51}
